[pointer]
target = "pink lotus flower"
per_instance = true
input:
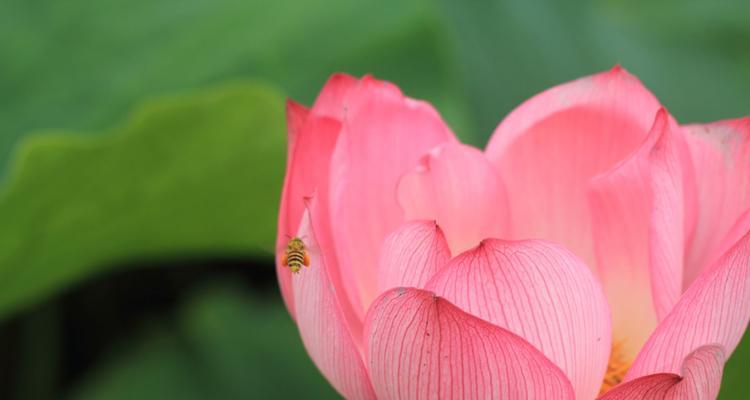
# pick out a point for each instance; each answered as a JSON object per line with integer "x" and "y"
{"x": 595, "y": 246}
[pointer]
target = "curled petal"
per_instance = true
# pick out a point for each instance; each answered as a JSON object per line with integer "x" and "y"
{"x": 640, "y": 213}
{"x": 325, "y": 331}
{"x": 456, "y": 186}
{"x": 541, "y": 292}
{"x": 412, "y": 255}
{"x": 548, "y": 148}
{"x": 420, "y": 346}
{"x": 700, "y": 379}
{"x": 384, "y": 134}
{"x": 673, "y": 215}
{"x": 714, "y": 310}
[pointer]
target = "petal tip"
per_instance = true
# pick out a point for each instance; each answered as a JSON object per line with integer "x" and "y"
{"x": 618, "y": 73}
{"x": 661, "y": 123}
{"x": 293, "y": 106}
{"x": 617, "y": 68}
{"x": 661, "y": 113}
{"x": 340, "y": 77}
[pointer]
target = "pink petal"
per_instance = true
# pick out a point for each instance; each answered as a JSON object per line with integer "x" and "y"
{"x": 721, "y": 155}
{"x": 312, "y": 135}
{"x": 412, "y": 254}
{"x": 674, "y": 196}
{"x": 289, "y": 211}
{"x": 548, "y": 148}
{"x": 736, "y": 232}
{"x": 296, "y": 117}
{"x": 700, "y": 379}
{"x": 457, "y": 186}
{"x": 332, "y": 99}
{"x": 322, "y": 322}
{"x": 420, "y": 346}
{"x": 311, "y": 144}
{"x": 639, "y": 211}
{"x": 383, "y": 136}
{"x": 541, "y": 292}
{"x": 714, "y": 310}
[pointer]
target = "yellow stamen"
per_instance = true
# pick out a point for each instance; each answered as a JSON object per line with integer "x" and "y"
{"x": 616, "y": 368}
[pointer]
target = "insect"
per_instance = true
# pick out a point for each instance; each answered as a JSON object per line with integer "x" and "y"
{"x": 295, "y": 255}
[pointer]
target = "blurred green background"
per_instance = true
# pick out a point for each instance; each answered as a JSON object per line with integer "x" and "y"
{"x": 142, "y": 152}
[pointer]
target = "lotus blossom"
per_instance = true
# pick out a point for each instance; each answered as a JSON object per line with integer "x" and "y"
{"x": 595, "y": 249}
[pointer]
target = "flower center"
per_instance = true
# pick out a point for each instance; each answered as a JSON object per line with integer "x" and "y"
{"x": 616, "y": 368}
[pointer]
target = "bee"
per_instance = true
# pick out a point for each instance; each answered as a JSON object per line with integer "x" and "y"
{"x": 295, "y": 255}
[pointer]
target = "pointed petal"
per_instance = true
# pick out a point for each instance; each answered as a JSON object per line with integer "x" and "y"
{"x": 456, "y": 185}
{"x": 310, "y": 151}
{"x": 548, "y": 148}
{"x": 420, "y": 346}
{"x": 322, "y": 323}
{"x": 541, "y": 292}
{"x": 411, "y": 255}
{"x": 307, "y": 174}
{"x": 289, "y": 215}
{"x": 383, "y": 136}
{"x": 312, "y": 135}
{"x": 332, "y": 99}
{"x": 639, "y": 215}
{"x": 700, "y": 379}
{"x": 296, "y": 116}
{"x": 714, "y": 310}
{"x": 721, "y": 154}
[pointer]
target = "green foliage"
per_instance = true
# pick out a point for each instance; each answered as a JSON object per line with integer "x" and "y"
{"x": 734, "y": 383}
{"x": 81, "y": 63}
{"x": 78, "y": 66}
{"x": 223, "y": 345}
{"x": 193, "y": 174}
{"x": 691, "y": 54}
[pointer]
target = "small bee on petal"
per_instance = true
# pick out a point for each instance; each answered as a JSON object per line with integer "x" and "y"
{"x": 295, "y": 255}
